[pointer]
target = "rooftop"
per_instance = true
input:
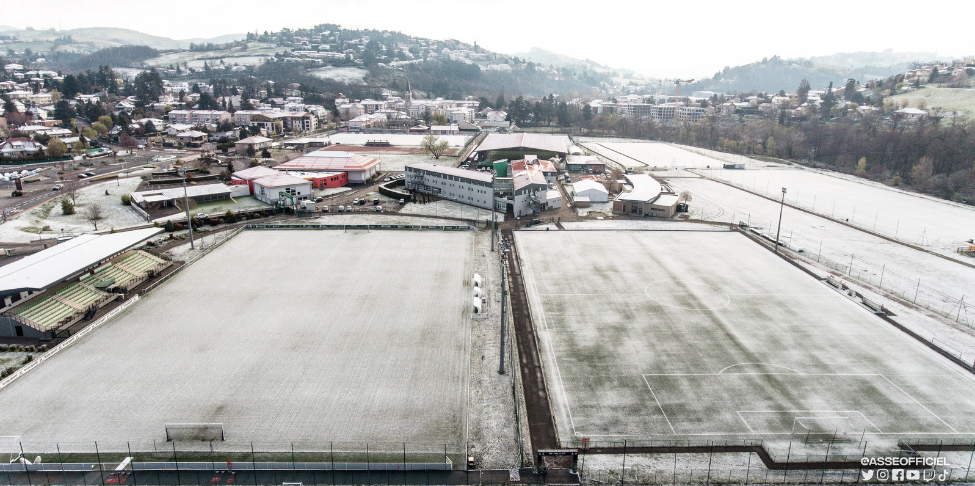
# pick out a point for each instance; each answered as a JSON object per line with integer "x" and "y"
{"x": 547, "y": 143}
{"x": 331, "y": 161}
{"x": 645, "y": 188}
{"x": 177, "y": 192}
{"x": 454, "y": 171}
{"x": 588, "y": 184}
{"x": 47, "y": 267}
{"x": 254, "y": 173}
{"x": 280, "y": 179}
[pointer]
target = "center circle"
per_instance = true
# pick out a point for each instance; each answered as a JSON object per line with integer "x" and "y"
{"x": 689, "y": 297}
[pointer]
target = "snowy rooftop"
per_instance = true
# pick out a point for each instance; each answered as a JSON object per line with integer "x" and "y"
{"x": 548, "y": 143}
{"x": 329, "y": 160}
{"x": 645, "y": 188}
{"x": 254, "y": 173}
{"x": 45, "y": 268}
{"x": 588, "y": 185}
{"x": 453, "y": 171}
{"x": 280, "y": 179}
{"x": 177, "y": 192}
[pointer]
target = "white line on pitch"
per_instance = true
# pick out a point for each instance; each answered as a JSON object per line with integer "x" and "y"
{"x": 745, "y": 421}
{"x": 908, "y": 395}
{"x": 659, "y": 405}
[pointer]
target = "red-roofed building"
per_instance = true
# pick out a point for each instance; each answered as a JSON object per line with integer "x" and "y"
{"x": 358, "y": 167}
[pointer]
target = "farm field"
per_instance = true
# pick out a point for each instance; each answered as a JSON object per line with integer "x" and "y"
{"x": 948, "y": 99}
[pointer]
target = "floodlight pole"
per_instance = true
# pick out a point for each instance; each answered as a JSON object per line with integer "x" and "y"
{"x": 186, "y": 203}
{"x": 502, "y": 254}
{"x": 779, "y": 230}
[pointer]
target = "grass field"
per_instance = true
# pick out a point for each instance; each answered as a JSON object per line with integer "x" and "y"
{"x": 707, "y": 336}
{"x": 305, "y": 336}
{"x": 948, "y": 99}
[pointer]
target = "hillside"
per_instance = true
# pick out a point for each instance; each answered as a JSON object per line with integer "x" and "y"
{"x": 947, "y": 99}
{"x": 549, "y": 58}
{"x": 775, "y": 74}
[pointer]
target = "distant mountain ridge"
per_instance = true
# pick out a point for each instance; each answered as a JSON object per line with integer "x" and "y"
{"x": 101, "y": 37}
{"x": 775, "y": 74}
{"x": 549, "y": 58}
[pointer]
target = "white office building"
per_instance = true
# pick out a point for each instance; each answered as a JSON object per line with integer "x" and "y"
{"x": 464, "y": 186}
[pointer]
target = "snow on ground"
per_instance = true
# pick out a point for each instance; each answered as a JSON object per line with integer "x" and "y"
{"x": 605, "y": 208}
{"x": 398, "y": 139}
{"x": 612, "y": 157}
{"x": 217, "y": 208}
{"x": 450, "y": 209}
{"x": 398, "y": 163}
{"x": 349, "y": 374}
{"x": 648, "y": 224}
{"x": 24, "y": 227}
{"x": 833, "y": 245}
{"x": 655, "y": 377}
{"x": 911, "y": 217}
{"x": 343, "y": 74}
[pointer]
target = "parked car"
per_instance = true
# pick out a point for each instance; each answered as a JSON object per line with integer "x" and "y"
{"x": 379, "y": 209}
{"x": 375, "y": 201}
{"x": 341, "y": 209}
{"x": 325, "y": 209}
{"x": 319, "y": 199}
{"x": 355, "y": 201}
{"x": 402, "y": 202}
{"x": 57, "y": 187}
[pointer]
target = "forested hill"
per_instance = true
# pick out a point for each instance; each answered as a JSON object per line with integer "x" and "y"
{"x": 774, "y": 74}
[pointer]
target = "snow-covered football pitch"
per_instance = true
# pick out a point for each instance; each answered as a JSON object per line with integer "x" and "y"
{"x": 707, "y": 335}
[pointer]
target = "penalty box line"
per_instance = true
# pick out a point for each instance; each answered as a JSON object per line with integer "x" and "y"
{"x": 739, "y": 412}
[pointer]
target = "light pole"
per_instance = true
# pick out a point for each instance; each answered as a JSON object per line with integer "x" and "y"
{"x": 186, "y": 203}
{"x": 779, "y": 230}
{"x": 503, "y": 254}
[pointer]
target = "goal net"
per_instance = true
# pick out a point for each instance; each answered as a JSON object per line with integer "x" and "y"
{"x": 194, "y": 432}
{"x": 822, "y": 429}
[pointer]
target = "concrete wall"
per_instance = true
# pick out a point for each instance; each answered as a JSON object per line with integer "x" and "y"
{"x": 8, "y": 328}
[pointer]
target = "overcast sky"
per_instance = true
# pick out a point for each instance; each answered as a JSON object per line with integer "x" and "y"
{"x": 672, "y": 38}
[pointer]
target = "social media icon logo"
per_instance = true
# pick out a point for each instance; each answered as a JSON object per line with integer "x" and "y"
{"x": 928, "y": 475}
{"x": 868, "y": 474}
{"x": 883, "y": 475}
{"x": 913, "y": 475}
{"x": 897, "y": 475}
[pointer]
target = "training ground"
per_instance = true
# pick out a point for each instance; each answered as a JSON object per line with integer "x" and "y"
{"x": 709, "y": 336}
{"x": 303, "y": 336}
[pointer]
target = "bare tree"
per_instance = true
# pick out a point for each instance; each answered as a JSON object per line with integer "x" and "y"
{"x": 685, "y": 197}
{"x": 71, "y": 190}
{"x": 434, "y": 146}
{"x": 93, "y": 213}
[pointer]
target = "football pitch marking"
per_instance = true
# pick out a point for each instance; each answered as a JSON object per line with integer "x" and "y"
{"x": 798, "y": 373}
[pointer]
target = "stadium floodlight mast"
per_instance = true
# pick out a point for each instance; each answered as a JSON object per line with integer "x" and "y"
{"x": 779, "y": 230}
{"x": 186, "y": 202}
